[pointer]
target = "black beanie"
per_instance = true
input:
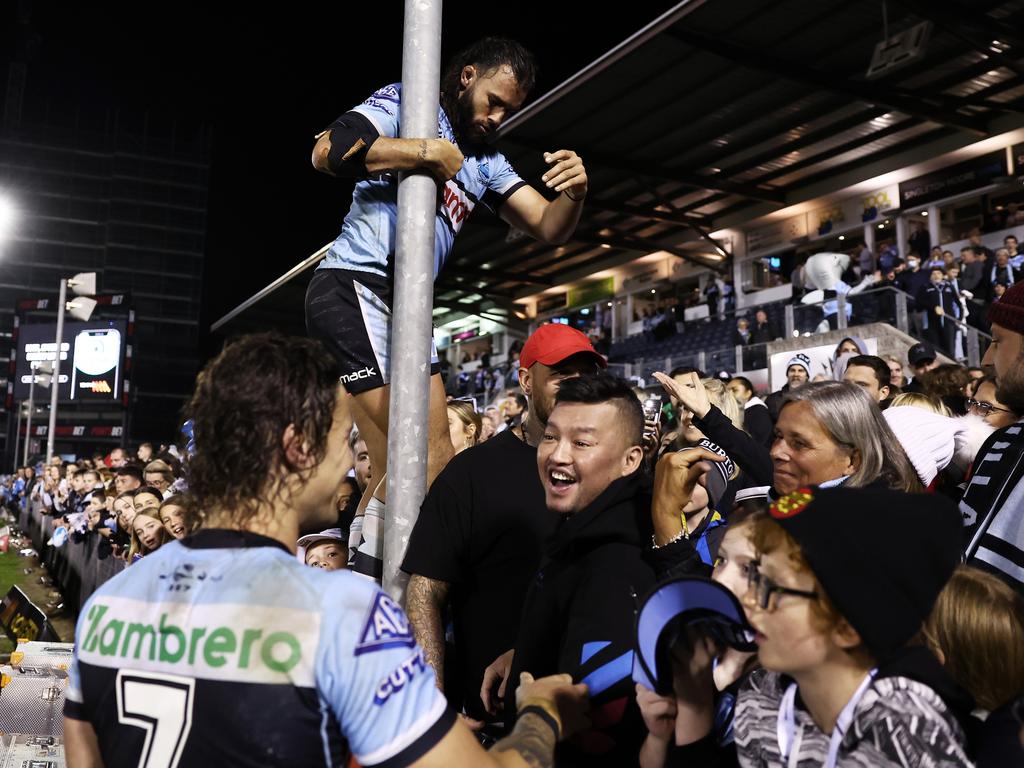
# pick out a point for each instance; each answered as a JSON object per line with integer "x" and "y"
{"x": 881, "y": 556}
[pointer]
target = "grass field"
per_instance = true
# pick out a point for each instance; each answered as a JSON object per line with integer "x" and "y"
{"x": 12, "y": 573}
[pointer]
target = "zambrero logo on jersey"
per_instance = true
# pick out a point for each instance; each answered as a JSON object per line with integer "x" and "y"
{"x": 219, "y": 641}
{"x": 386, "y": 626}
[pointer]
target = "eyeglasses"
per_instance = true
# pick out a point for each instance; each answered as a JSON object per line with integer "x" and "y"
{"x": 985, "y": 408}
{"x": 764, "y": 588}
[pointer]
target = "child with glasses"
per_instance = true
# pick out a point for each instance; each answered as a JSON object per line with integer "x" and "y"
{"x": 835, "y": 606}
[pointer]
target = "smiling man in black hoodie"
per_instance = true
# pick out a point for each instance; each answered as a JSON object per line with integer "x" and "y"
{"x": 579, "y": 611}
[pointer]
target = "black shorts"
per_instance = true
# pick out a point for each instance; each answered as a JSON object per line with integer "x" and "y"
{"x": 350, "y": 312}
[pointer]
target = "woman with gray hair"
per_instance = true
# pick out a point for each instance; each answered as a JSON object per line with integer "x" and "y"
{"x": 828, "y": 433}
{"x": 831, "y": 433}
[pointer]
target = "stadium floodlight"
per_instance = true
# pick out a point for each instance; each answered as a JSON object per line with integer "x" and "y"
{"x": 7, "y": 215}
{"x": 83, "y": 284}
{"x": 82, "y": 308}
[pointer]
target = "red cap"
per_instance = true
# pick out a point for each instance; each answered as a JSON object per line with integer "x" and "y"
{"x": 552, "y": 343}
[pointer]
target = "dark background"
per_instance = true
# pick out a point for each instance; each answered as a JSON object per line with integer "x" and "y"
{"x": 266, "y": 80}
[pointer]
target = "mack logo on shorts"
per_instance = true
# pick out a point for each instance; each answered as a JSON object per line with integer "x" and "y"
{"x": 260, "y": 644}
{"x": 365, "y": 373}
{"x": 386, "y": 627}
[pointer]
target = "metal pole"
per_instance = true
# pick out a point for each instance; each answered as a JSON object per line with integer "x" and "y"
{"x": 934, "y": 230}
{"x": 901, "y": 237}
{"x": 973, "y": 346}
{"x": 17, "y": 436}
{"x": 28, "y": 420}
{"x": 412, "y": 333}
{"x": 901, "y": 312}
{"x": 841, "y": 316}
{"x": 869, "y": 237}
{"x": 789, "y": 315}
{"x": 55, "y": 383}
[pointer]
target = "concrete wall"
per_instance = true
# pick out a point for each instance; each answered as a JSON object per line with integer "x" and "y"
{"x": 891, "y": 341}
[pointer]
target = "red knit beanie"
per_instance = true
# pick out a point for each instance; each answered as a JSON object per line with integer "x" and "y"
{"x": 1009, "y": 310}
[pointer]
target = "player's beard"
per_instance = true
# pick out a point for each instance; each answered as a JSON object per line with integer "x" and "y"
{"x": 459, "y": 109}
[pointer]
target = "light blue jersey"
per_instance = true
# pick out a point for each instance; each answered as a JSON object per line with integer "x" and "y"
{"x": 367, "y": 239}
{"x": 224, "y": 650}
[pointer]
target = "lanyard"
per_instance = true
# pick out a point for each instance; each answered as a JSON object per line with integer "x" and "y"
{"x": 786, "y": 724}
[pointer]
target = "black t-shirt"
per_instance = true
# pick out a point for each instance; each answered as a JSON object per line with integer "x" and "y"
{"x": 481, "y": 529}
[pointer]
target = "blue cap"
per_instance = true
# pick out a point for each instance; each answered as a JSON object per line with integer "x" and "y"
{"x": 669, "y": 610}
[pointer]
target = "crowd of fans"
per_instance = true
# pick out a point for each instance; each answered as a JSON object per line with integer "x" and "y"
{"x": 832, "y": 513}
{"x": 946, "y": 291}
{"x": 840, "y": 562}
{"x": 125, "y": 506}
{"x": 867, "y": 521}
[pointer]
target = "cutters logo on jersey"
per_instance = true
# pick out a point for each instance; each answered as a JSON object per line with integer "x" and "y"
{"x": 386, "y": 627}
{"x": 400, "y": 678}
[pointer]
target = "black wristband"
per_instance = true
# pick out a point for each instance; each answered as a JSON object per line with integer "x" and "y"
{"x": 544, "y": 715}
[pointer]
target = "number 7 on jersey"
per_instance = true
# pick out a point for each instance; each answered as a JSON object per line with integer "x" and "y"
{"x": 162, "y": 706}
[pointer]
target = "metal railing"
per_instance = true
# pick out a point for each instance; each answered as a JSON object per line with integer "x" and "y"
{"x": 885, "y": 305}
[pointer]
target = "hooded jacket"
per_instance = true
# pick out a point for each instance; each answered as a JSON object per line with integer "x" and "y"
{"x": 839, "y": 362}
{"x": 911, "y": 715}
{"x": 579, "y": 614}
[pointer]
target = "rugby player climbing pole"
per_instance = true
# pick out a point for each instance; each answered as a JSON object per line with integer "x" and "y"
{"x": 413, "y": 297}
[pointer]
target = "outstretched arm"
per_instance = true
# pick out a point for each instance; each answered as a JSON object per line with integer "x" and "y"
{"x": 550, "y": 709}
{"x": 551, "y": 221}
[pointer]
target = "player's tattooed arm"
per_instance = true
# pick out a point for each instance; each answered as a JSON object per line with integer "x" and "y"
{"x": 533, "y": 739}
{"x": 424, "y": 603}
{"x": 438, "y": 157}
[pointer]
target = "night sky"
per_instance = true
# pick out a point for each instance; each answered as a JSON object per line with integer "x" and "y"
{"x": 267, "y": 79}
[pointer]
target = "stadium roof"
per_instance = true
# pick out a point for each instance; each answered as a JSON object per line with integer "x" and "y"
{"x": 721, "y": 111}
